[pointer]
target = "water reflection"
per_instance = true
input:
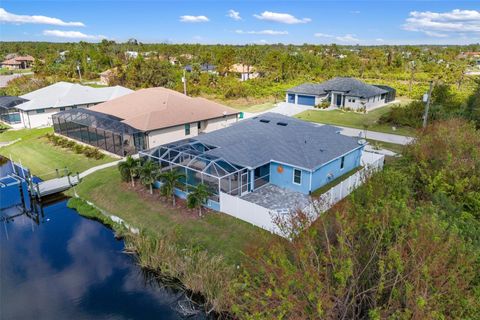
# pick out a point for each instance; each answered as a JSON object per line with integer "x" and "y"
{"x": 68, "y": 267}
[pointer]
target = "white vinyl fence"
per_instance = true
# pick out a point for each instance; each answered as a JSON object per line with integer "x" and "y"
{"x": 247, "y": 211}
{"x": 263, "y": 217}
{"x": 371, "y": 163}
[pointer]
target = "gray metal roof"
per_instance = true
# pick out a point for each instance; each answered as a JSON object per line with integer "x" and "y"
{"x": 253, "y": 142}
{"x": 65, "y": 94}
{"x": 8, "y": 102}
{"x": 351, "y": 86}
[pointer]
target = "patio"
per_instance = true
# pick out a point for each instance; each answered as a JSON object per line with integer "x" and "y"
{"x": 276, "y": 198}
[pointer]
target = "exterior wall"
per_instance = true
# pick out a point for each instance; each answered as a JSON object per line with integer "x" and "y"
{"x": 167, "y": 135}
{"x": 218, "y": 123}
{"x": 375, "y": 102}
{"x": 332, "y": 170}
{"x": 32, "y": 119}
{"x": 284, "y": 179}
{"x": 372, "y": 102}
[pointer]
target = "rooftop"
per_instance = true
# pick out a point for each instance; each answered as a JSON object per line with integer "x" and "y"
{"x": 274, "y": 137}
{"x": 156, "y": 108}
{"x": 64, "y": 94}
{"x": 351, "y": 86}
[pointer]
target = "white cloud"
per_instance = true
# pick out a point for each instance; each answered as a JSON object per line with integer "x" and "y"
{"x": 72, "y": 35}
{"x": 194, "y": 19}
{"x": 348, "y": 38}
{"x": 266, "y": 32}
{"x": 262, "y": 41}
{"x": 281, "y": 17}
{"x": 355, "y": 11}
{"x": 323, "y": 35}
{"x": 235, "y": 15}
{"x": 442, "y": 25}
{"x": 8, "y": 17}
{"x": 379, "y": 40}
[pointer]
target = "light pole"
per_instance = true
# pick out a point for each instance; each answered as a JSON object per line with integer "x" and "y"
{"x": 79, "y": 73}
{"x": 184, "y": 80}
{"x": 427, "y": 98}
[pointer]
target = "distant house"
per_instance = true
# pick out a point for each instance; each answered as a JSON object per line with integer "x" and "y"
{"x": 107, "y": 76}
{"x": 341, "y": 92}
{"x": 45, "y": 102}
{"x": 288, "y": 157}
{"x": 143, "y": 119}
{"x": 131, "y": 54}
{"x": 18, "y": 62}
{"x": 204, "y": 67}
{"x": 244, "y": 72}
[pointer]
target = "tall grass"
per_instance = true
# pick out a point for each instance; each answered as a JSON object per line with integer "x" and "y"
{"x": 205, "y": 276}
{"x": 199, "y": 272}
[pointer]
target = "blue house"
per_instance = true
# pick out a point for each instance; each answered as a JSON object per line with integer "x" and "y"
{"x": 269, "y": 149}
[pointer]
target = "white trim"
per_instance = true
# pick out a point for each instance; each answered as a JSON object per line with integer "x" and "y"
{"x": 293, "y": 177}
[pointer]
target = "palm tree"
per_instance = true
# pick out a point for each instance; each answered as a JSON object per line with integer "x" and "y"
{"x": 148, "y": 173}
{"x": 170, "y": 180}
{"x": 198, "y": 197}
{"x": 129, "y": 169}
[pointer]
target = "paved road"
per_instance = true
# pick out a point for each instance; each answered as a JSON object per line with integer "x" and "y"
{"x": 4, "y": 79}
{"x": 379, "y": 136}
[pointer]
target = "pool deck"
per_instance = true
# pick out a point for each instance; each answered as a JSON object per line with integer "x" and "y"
{"x": 276, "y": 198}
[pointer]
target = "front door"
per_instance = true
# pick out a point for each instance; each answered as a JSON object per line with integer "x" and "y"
{"x": 339, "y": 100}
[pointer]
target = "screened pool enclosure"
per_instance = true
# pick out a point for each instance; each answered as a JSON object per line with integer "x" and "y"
{"x": 99, "y": 130}
{"x": 189, "y": 157}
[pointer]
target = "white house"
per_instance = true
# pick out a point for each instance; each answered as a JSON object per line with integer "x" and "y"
{"x": 245, "y": 72}
{"x": 44, "y": 102}
{"x": 341, "y": 92}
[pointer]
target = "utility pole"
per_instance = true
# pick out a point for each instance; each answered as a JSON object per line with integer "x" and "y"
{"x": 184, "y": 80}
{"x": 427, "y": 105}
{"x": 79, "y": 73}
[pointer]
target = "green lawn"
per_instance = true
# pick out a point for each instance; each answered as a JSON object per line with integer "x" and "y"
{"x": 355, "y": 120}
{"x": 5, "y": 71}
{"x": 398, "y": 148}
{"x": 40, "y": 156}
{"x": 255, "y": 108}
{"x": 216, "y": 232}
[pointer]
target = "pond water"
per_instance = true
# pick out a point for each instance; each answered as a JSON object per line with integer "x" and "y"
{"x": 69, "y": 267}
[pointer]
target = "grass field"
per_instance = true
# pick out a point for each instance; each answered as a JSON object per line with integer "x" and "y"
{"x": 41, "y": 157}
{"x": 398, "y": 148}
{"x": 255, "y": 108}
{"x": 355, "y": 120}
{"x": 216, "y": 232}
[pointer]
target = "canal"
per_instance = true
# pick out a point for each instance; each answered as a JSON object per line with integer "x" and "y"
{"x": 69, "y": 267}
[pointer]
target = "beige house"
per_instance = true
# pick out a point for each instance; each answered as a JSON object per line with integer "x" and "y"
{"x": 107, "y": 76}
{"x": 245, "y": 72}
{"x": 144, "y": 119}
{"x": 18, "y": 62}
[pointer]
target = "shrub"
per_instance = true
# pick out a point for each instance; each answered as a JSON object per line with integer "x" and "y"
{"x": 409, "y": 115}
{"x": 78, "y": 148}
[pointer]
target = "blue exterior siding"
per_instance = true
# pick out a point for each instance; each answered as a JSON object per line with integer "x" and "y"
{"x": 285, "y": 178}
{"x": 321, "y": 175}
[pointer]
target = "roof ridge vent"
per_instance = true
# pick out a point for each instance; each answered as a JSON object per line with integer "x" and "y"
{"x": 283, "y": 124}
{"x": 264, "y": 120}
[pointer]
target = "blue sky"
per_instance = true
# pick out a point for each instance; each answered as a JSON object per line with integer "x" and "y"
{"x": 240, "y": 22}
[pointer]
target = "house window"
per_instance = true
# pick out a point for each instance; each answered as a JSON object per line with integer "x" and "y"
{"x": 353, "y": 100}
{"x": 199, "y": 125}
{"x": 40, "y": 110}
{"x": 187, "y": 129}
{"x": 297, "y": 176}
{"x": 62, "y": 108}
{"x": 342, "y": 163}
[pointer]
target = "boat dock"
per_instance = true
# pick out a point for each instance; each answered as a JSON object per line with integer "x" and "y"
{"x": 52, "y": 186}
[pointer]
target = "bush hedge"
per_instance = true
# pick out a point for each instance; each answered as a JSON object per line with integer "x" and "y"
{"x": 89, "y": 152}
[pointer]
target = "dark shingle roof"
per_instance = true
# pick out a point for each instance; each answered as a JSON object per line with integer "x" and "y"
{"x": 256, "y": 141}
{"x": 350, "y": 86}
{"x": 8, "y": 102}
